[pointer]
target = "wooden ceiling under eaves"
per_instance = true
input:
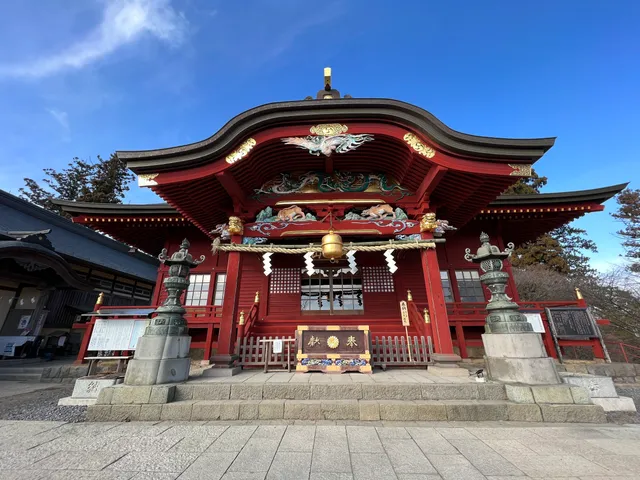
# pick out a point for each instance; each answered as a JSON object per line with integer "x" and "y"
{"x": 457, "y": 197}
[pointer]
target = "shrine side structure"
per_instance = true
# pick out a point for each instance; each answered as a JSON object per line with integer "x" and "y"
{"x": 402, "y": 195}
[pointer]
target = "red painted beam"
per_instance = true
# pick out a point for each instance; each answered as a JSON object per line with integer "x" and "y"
{"x": 230, "y": 184}
{"x": 430, "y": 182}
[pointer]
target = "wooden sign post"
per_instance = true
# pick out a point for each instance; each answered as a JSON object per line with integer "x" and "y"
{"x": 404, "y": 315}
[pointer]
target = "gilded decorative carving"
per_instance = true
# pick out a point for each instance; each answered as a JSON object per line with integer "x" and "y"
{"x": 147, "y": 179}
{"x": 328, "y": 129}
{"x": 235, "y": 226}
{"x": 333, "y": 342}
{"x": 242, "y": 151}
{"x": 428, "y": 222}
{"x": 338, "y": 181}
{"x": 414, "y": 142}
{"x": 521, "y": 170}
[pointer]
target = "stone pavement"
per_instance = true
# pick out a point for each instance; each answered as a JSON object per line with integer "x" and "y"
{"x": 9, "y": 388}
{"x": 322, "y": 451}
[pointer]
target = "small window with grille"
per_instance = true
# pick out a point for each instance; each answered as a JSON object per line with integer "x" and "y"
{"x": 377, "y": 279}
{"x": 469, "y": 286}
{"x": 198, "y": 291}
{"x": 285, "y": 280}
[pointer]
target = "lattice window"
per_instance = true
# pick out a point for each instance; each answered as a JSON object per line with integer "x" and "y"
{"x": 377, "y": 279}
{"x": 469, "y": 286}
{"x": 285, "y": 280}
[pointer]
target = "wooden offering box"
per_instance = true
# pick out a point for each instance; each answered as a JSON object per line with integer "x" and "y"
{"x": 333, "y": 349}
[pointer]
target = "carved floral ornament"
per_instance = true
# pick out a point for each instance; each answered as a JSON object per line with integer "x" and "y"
{"x": 147, "y": 179}
{"x": 414, "y": 142}
{"x": 521, "y": 170}
{"x": 329, "y": 129}
{"x": 241, "y": 152}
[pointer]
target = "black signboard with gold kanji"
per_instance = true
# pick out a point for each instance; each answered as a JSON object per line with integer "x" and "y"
{"x": 333, "y": 348}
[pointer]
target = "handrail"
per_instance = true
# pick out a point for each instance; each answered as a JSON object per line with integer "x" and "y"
{"x": 628, "y": 352}
{"x": 479, "y": 309}
{"x": 417, "y": 319}
{"x": 247, "y": 322}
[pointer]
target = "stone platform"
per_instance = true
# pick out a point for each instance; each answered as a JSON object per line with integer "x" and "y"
{"x": 396, "y": 395}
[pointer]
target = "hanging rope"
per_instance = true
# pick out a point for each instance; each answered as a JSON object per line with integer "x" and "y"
{"x": 216, "y": 247}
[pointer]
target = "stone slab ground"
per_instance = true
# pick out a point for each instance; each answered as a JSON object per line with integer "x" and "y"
{"x": 317, "y": 450}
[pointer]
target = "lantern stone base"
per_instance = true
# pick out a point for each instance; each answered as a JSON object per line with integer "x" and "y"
{"x": 159, "y": 359}
{"x": 519, "y": 358}
{"x": 222, "y": 366}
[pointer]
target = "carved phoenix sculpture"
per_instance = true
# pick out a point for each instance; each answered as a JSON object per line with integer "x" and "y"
{"x": 326, "y": 145}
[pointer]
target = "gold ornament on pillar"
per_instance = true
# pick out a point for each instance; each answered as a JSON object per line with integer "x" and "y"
{"x": 427, "y": 318}
{"x": 241, "y": 321}
{"x": 428, "y": 223}
{"x": 409, "y": 296}
{"x": 579, "y": 294}
{"x": 235, "y": 226}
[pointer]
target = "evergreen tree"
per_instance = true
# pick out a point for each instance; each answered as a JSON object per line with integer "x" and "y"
{"x": 629, "y": 214}
{"x": 105, "y": 181}
{"x": 527, "y": 185}
{"x": 561, "y": 249}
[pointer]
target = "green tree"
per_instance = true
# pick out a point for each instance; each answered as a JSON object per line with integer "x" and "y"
{"x": 562, "y": 249}
{"x": 527, "y": 185}
{"x": 629, "y": 214}
{"x": 105, "y": 181}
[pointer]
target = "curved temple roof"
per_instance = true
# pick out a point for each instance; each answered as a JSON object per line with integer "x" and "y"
{"x": 299, "y": 112}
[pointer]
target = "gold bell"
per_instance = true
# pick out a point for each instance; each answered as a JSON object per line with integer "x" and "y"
{"x": 332, "y": 245}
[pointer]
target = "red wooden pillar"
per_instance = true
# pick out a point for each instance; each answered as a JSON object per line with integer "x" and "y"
{"x": 462, "y": 343}
{"x": 88, "y": 330}
{"x": 443, "y": 344}
{"x": 226, "y": 338}
{"x": 207, "y": 347}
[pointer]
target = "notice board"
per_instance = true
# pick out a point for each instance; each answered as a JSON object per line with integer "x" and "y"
{"x": 116, "y": 334}
{"x": 573, "y": 323}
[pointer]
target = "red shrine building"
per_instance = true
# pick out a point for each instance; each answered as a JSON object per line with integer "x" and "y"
{"x": 403, "y": 193}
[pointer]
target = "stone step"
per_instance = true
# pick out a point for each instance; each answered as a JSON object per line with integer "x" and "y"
{"x": 357, "y": 410}
{"x": 21, "y": 370}
{"x": 339, "y": 391}
{"x": 20, "y": 377}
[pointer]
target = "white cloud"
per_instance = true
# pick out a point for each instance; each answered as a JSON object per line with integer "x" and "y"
{"x": 123, "y": 22}
{"x": 61, "y": 117}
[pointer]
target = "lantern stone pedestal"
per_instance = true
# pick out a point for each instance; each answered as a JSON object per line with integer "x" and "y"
{"x": 162, "y": 353}
{"x": 514, "y": 353}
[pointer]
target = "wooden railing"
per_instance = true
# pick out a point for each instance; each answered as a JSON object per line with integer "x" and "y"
{"x": 624, "y": 352}
{"x": 418, "y": 320}
{"x": 247, "y": 321}
{"x": 385, "y": 352}
{"x": 478, "y": 310}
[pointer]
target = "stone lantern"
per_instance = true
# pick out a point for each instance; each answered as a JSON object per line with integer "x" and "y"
{"x": 162, "y": 353}
{"x": 504, "y": 316}
{"x": 513, "y": 351}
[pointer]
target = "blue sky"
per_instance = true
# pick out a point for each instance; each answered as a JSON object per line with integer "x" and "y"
{"x": 81, "y": 78}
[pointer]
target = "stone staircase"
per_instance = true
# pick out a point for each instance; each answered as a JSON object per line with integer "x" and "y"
{"x": 346, "y": 401}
